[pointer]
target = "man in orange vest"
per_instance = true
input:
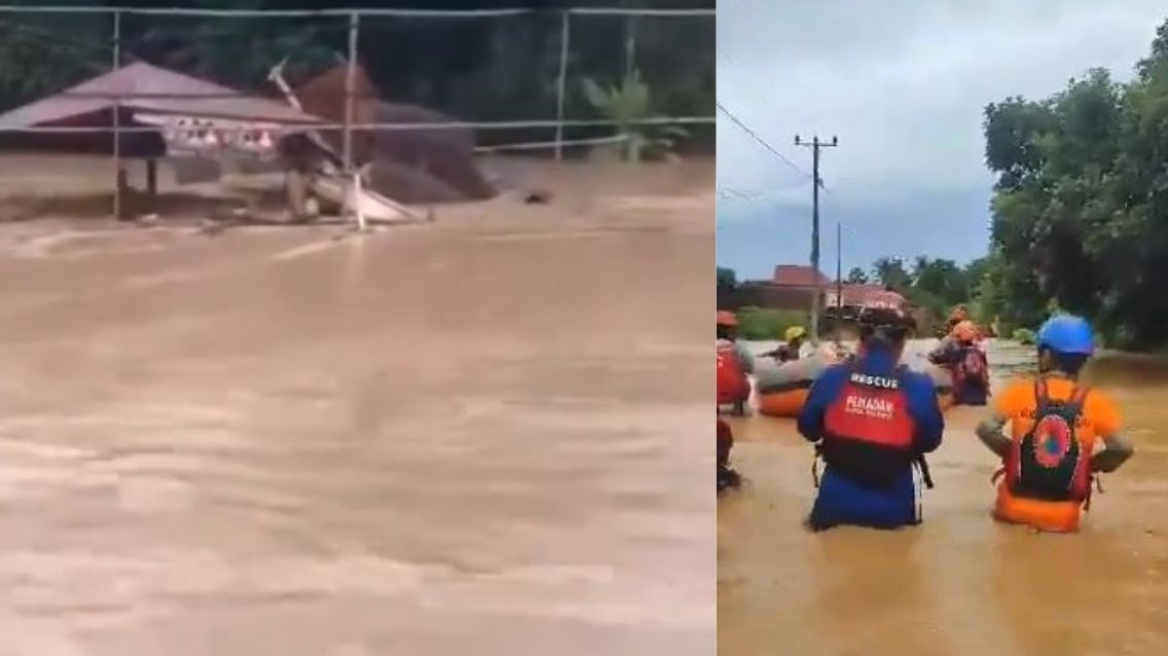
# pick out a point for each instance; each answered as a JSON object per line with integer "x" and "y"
{"x": 962, "y": 354}
{"x": 1050, "y": 457}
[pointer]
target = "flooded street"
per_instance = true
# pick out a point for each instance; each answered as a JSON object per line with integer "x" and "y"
{"x": 959, "y": 584}
{"x": 464, "y": 438}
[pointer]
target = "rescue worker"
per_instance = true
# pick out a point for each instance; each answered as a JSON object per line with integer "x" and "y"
{"x": 958, "y": 315}
{"x": 794, "y": 338}
{"x": 734, "y": 364}
{"x": 965, "y": 358}
{"x": 727, "y": 477}
{"x": 872, "y": 420}
{"x": 1050, "y": 458}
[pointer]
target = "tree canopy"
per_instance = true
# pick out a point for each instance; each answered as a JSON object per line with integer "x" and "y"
{"x": 1080, "y": 206}
{"x": 481, "y": 69}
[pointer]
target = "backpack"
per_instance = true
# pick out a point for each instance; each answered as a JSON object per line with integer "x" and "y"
{"x": 733, "y": 385}
{"x": 973, "y": 366}
{"x": 1049, "y": 462}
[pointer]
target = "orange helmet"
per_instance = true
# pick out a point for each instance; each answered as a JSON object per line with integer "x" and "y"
{"x": 965, "y": 331}
{"x": 727, "y": 318}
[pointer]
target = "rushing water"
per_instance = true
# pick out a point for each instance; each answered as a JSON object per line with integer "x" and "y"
{"x": 959, "y": 584}
{"x": 466, "y": 438}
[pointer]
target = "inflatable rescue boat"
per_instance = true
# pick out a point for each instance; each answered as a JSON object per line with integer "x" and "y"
{"x": 781, "y": 389}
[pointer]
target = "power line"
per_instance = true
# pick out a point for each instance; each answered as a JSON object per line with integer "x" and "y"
{"x": 762, "y": 142}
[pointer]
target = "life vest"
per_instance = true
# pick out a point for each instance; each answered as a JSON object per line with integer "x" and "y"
{"x": 972, "y": 367}
{"x": 868, "y": 431}
{"x": 1049, "y": 463}
{"x": 733, "y": 385}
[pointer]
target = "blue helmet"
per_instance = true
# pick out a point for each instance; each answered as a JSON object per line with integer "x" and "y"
{"x": 1067, "y": 334}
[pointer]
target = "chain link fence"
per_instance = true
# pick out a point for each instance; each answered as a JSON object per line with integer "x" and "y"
{"x": 519, "y": 78}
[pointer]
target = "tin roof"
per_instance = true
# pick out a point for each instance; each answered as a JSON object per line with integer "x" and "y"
{"x": 146, "y": 87}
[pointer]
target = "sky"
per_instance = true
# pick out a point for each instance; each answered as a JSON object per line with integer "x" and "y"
{"x": 902, "y": 84}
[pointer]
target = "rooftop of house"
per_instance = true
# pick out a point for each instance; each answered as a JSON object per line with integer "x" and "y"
{"x": 798, "y": 275}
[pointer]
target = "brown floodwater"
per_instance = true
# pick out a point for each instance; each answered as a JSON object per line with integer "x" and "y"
{"x": 959, "y": 584}
{"x": 473, "y": 437}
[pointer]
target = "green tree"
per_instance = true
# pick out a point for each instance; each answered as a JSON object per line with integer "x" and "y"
{"x": 857, "y": 276}
{"x": 727, "y": 278}
{"x": 488, "y": 69}
{"x": 1080, "y": 209}
{"x": 941, "y": 278}
{"x": 891, "y": 272}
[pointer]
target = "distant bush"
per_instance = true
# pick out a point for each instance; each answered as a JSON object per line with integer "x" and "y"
{"x": 1024, "y": 336}
{"x": 763, "y": 324}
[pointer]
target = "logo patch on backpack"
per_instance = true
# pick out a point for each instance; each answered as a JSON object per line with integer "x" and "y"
{"x": 1053, "y": 441}
{"x": 973, "y": 364}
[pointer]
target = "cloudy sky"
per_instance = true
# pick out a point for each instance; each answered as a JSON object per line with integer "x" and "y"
{"x": 902, "y": 83}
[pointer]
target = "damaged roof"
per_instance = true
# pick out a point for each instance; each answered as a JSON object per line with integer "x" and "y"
{"x": 147, "y": 87}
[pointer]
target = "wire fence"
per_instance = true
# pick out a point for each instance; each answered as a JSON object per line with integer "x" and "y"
{"x": 518, "y": 77}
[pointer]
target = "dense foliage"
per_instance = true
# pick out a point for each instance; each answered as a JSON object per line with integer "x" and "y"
{"x": 481, "y": 69}
{"x": 1080, "y": 209}
{"x": 934, "y": 285}
{"x": 765, "y": 324}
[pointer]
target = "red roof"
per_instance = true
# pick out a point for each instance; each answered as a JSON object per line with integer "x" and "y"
{"x": 142, "y": 86}
{"x": 858, "y": 294}
{"x": 797, "y": 275}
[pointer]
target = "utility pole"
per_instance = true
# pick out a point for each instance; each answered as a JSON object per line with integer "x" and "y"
{"x": 816, "y": 146}
{"x": 839, "y": 280}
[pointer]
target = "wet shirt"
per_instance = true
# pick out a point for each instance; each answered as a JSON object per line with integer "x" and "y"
{"x": 1017, "y": 404}
{"x": 949, "y": 352}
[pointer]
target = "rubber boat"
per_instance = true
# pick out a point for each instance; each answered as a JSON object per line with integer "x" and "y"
{"x": 781, "y": 389}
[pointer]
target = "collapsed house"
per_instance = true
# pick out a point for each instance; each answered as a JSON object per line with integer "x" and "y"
{"x": 417, "y": 165}
{"x": 166, "y": 115}
{"x": 202, "y": 127}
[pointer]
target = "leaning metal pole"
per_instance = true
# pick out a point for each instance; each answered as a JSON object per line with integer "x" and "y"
{"x": 350, "y": 171}
{"x": 350, "y": 91}
{"x": 117, "y": 63}
{"x": 562, "y": 84}
{"x": 630, "y": 45}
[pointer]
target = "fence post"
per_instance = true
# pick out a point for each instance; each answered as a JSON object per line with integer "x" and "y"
{"x": 116, "y": 61}
{"x": 630, "y": 44}
{"x": 350, "y": 91}
{"x": 562, "y": 87}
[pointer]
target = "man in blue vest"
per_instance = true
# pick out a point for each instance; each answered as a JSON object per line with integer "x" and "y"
{"x": 872, "y": 420}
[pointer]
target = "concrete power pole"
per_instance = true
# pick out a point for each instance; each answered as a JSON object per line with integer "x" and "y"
{"x": 816, "y": 146}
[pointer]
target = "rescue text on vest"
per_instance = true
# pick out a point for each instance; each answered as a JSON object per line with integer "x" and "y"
{"x": 875, "y": 381}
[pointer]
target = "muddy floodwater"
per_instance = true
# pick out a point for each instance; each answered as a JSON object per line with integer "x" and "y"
{"x": 959, "y": 584}
{"x": 480, "y": 436}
